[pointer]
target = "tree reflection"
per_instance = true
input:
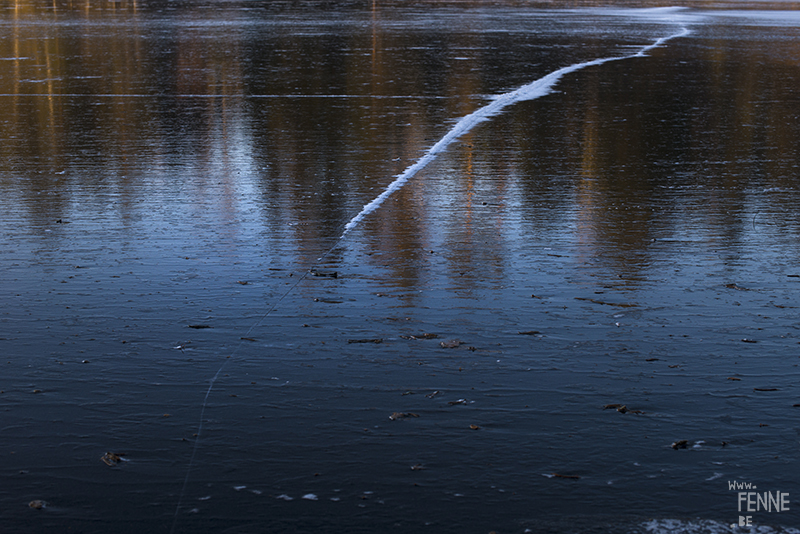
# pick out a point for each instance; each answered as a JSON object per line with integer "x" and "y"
{"x": 314, "y": 115}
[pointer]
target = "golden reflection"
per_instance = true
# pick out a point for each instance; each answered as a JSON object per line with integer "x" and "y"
{"x": 475, "y": 225}
{"x": 587, "y": 187}
{"x": 331, "y": 119}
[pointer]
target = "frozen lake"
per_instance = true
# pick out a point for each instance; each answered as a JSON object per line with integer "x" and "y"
{"x": 397, "y": 266}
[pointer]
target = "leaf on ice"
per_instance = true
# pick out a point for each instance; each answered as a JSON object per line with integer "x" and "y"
{"x": 421, "y": 336}
{"x": 324, "y": 274}
{"x": 112, "y": 458}
{"x": 734, "y": 286}
{"x": 402, "y": 415}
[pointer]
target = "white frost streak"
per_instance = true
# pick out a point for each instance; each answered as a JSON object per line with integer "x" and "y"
{"x": 532, "y": 91}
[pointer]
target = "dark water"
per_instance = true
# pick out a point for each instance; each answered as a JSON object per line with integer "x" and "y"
{"x": 629, "y": 238}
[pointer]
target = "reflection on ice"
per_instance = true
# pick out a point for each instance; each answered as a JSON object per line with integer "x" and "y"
{"x": 187, "y": 163}
{"x": 679, "y": 15}
{"x": 761, "y": 18}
